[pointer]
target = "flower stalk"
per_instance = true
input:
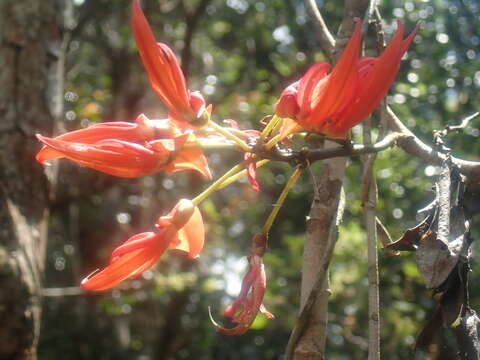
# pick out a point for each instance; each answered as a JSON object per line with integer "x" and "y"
{"x": 269, "y": 127}
{"x": 281, "y": 199}
{"x": 229, "y": 135}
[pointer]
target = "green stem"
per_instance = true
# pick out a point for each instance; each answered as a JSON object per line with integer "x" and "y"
{"x": 238, "y": 175}
{"x": 276, "y": 208}
{"x": 229, "y": 135}
{"x": 211, "y": 145}
{"x": 269, "y": 127}
{"x": 239, "y": 133}
{"x": 216, "y": 185}
{"x": 272, "y": 142}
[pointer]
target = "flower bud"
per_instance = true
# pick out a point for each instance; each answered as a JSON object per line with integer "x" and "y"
{"x": 287, "y": 106}
{"x": 182, "y": 213}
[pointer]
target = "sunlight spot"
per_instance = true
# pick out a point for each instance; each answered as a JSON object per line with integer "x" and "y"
{"x": 123, "y": 218}
{"x": 412, "y": 77}
{"x": 431, "y": 170}
{"x": 397, "y": 213}
{"x": 442, "y": 38}
{"x": 414, "y": 92}
{"x": 399, "y": 98}
{"x": 233, "y": 274}
{"x": 282, "y": 35}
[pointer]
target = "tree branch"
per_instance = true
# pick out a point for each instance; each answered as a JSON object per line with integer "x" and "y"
{"x": 413, "y": 145}
{"x": 325, "y": 37}
{"x": 312, "y": 155}
{"x": 369, "y": 199}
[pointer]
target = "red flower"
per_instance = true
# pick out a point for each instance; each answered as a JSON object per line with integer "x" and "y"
{"x": 332, "y": 103}
{"x": 249, "y": 301}
{"x": 181, "y": 229}
{"x": 128, "y": 150}
{"x": 165, "y": 74}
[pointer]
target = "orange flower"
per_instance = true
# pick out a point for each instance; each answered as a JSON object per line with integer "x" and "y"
{"x": 165, "y": 74}
{"x": 332, "y": 103}
{"x": 128, "y": 150}
{"x": 131, "y": 132}
{"x": 182, "y": 229}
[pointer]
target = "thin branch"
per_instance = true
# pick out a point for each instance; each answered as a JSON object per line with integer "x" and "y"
{"x": 385, "y": 238}
{"x": 311, "y": 156}
{"x": 325, "y": 37}
{"x": 413, "y": 145}
{"x": 443, "y": 194}
{"x": 369, "y": 200}
{"x": 455, "y": 128}
{"x": 65, "y": 291}
{"x": 369, "y": 15}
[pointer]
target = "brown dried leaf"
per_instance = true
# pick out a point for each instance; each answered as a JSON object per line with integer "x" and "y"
{"x": 434, "y": 260}
{"x": 411, "y": 238}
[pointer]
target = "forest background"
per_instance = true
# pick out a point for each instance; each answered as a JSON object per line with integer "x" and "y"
{"x": 241, "y": 54}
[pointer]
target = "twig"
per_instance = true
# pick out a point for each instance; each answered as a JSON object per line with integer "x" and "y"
{"x": 369, "y": 200}
{"x": 413, "y": 145}
{"x": 439, "y": 134}
{"x": 325, "y": 37}
{"x": 443, "y": 193}
{"x": 65, "y": 291}
{"x": 385, "y": 238}
{"x": 327, "y": 153}
{"x": 369, "y": 15}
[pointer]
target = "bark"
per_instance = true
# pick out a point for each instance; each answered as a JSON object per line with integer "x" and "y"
{"x": 322, "y": 229}
{"x": 369, "y": 199}
{"x": 308, "y": 339}
{"x": 30, "y": 100}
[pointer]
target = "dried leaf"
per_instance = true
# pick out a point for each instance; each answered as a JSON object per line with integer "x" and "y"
{"x": 411, "y": 238}
{"x": 468, "y": 336}
{"x": 434, "y": 260}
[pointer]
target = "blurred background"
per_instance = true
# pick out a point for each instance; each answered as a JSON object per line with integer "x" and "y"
{"x": 240, "y": 54}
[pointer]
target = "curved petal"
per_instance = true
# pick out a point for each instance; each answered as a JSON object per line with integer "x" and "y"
{"x": 289, "y": 126}
{"x": 308, "y": 83}
{"x": 163, "y": 71}
{"x": 138, "y": 241}
{"x": 190, "y": 159}
{"x": 109, "y": 130}
{"x": 341, "y": 86}
{"x": 377, "y": 77}
{"x": 114, "y": 157}
{"x": 252, "y": 171}
{"x": 287, "y": 105}
{"x": 191, "y": 236}
{"x": 126, "y": 266}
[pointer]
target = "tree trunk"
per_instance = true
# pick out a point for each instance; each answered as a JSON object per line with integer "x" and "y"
{"x": 30, "y": 100}
{"x": 308, "y": 339}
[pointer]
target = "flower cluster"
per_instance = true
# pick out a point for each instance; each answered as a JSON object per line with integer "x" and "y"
{"x": 329, "y": 102}
{"x": 332, "y": 102}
